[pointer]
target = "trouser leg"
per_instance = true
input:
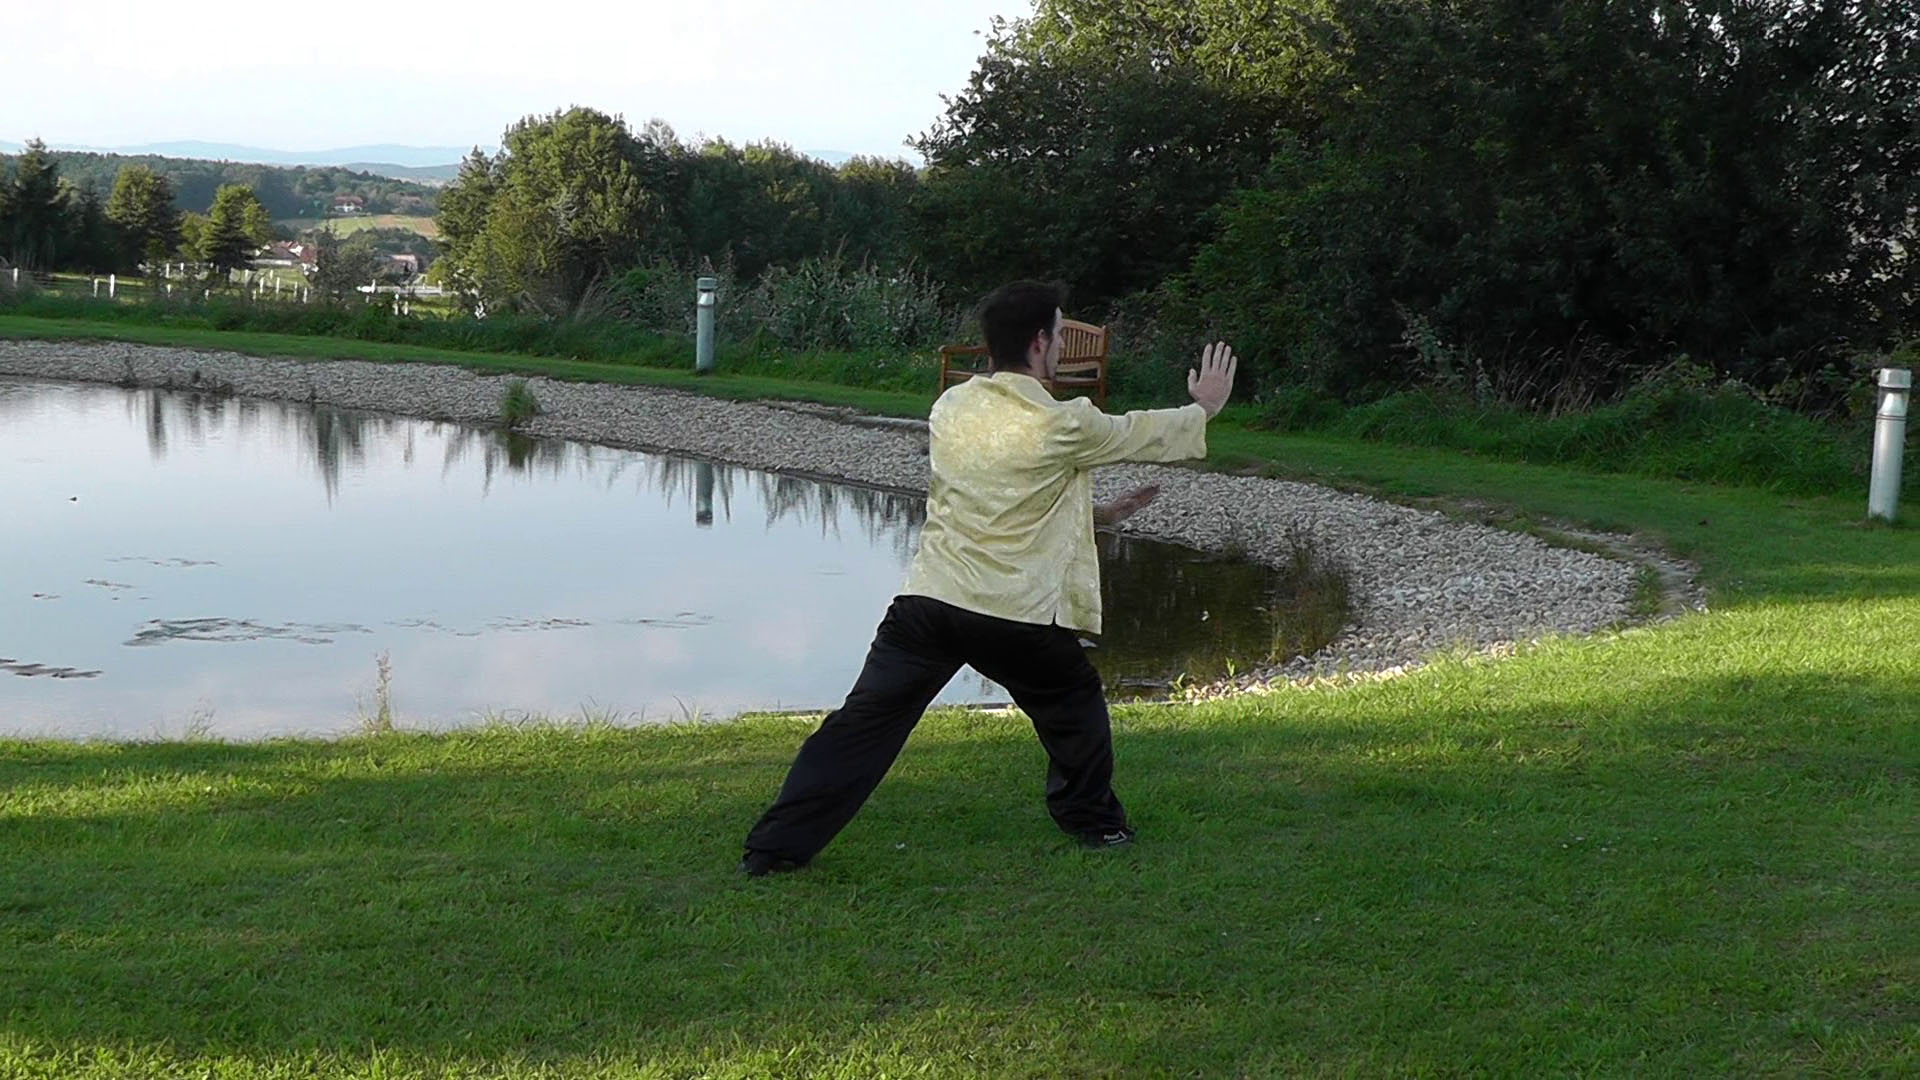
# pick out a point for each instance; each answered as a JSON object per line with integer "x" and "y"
{"x": 1050, "y": 678}
{"x": 840, "y": 764}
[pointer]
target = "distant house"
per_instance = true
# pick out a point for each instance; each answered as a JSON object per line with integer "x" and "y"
{"x": 408, "y": 264}
{"x": 349, "y": 204}
{"x": 288, "y": 254}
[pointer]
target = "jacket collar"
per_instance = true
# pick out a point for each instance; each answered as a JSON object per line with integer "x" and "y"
{"x": 1024, "y": 384}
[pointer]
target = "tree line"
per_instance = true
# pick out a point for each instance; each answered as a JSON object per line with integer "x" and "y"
{"x": 1533, "y": 201}
{"x": 575, "y": 199}
{"x": 48, "y": 222}
{"x": 300, "y": 191}
{"x": 1523, "y": 199}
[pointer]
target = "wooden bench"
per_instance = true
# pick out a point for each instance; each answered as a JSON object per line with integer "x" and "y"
{"x": 1083, "y": 362}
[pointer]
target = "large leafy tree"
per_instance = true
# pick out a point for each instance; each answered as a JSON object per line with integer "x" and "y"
{"x": 578, "y": 198}
{"x": 1096, "y": 165}
{"x": 869, "y": 217}
{"x": 1571, "y": 190}
{"x": 141, "y": 207}
{"x": 763, "y": 206}
{"x": 1249, "y": 48}
{"x": 462, "y": 222}
{"x": 565, "y": 205}
{"x": 760, "y": 205}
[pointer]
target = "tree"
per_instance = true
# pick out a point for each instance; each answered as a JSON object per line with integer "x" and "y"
{"x": 36, "y": 210}
{"x": 756, "y": 206}
{"x": 1564, "y": 192}
{"x": 462, "y": 221}
{"x": 141, "y": 207}
{"x": 89, "y": 241}
{"x": 226, "y": 242}
{"x": 1098, "y": 169}
{"x": 258, "y": 224}
{"x": 341, "y": 268}
{"x": 869, "y": 216}
{"x": 193, "y": 235}
{"x": 567, "y": 204}
{"x": 1244, "y": 48}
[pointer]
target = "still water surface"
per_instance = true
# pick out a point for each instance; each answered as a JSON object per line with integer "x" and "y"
{"x": 178, "y": 563}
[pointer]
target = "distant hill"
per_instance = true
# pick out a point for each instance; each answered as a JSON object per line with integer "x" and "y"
{"x": 431, "y": 175}
{"x": 431, "y": 165}
{"x": 387, "y": 154}
{"x": 289, "y": 191}
{"x": 435, "y": 165}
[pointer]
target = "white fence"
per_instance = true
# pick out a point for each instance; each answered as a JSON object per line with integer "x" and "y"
{"x": 258, "y": 283}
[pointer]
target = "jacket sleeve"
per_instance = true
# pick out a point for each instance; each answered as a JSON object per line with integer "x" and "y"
{"x": 1084, "y": 436}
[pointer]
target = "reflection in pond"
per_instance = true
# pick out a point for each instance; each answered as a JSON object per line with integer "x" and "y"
{"x": 161, "y": 631}
{"x": 188, "y": 555}
{"x": 1170, "y": 610}
{"x": 22, "y": 667}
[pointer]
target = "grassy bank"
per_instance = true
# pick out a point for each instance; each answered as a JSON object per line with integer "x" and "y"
{"x": 734, "y": 383}
{"x": 1689, "y": 849}
{"x": 1682, "y": 426}
{"x": 532, "y": 340}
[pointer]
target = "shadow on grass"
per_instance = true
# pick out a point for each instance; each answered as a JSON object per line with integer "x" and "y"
{"x": 1688, "y": 872}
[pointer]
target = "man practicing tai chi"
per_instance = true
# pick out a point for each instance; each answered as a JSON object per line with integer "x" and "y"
{"x": 1005, "y": 580}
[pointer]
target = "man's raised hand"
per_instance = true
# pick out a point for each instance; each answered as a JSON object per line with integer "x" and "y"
{"x": 1211, "y": 385}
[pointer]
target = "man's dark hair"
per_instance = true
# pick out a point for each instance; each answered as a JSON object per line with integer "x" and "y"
{"x": 1012, "y": 314}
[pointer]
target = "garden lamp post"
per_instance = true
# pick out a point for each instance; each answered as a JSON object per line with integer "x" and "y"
{"x": 1889, "y": 442}
{"x": 703, "y": 337}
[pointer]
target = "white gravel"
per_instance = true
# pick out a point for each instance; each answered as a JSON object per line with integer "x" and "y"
{"x": 1422, "y": 582}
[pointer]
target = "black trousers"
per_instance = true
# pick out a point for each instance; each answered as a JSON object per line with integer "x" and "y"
{"x": 920, "y": 644}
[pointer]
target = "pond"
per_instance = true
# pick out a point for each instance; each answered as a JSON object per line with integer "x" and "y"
{"x": 182, "y": 563}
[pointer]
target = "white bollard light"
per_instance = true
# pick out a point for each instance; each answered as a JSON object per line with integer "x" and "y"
{"x": 1889, "y": 443}
{"x": 703, "y": 337}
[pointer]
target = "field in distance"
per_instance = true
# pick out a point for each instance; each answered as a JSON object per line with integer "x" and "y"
{"x": 347, "y": 226}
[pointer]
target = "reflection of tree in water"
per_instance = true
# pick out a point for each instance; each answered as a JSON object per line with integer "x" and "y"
{"x": 507, "y": 452}
{"x": 882, "y": 515}
{"x": 1169, "y": 610}
{"x": 340, "y": 439}
{"x": 332, "y": 439}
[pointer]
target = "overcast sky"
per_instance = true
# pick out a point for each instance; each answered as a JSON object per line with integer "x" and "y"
{"x": 856, "y": 76}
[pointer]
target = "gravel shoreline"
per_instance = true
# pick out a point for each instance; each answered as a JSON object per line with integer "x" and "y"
{"x": 1422, "y": 582}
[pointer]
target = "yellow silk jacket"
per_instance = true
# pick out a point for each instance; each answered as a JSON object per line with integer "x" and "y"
{"x": 1009, "y": 529}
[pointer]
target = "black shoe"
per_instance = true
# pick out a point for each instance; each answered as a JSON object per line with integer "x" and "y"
{"x": 1100, "y": 839}
{"x": 761, "y": 863}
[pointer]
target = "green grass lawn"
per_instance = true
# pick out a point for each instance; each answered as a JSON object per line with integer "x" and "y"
{"x": 1679, "y": 850}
